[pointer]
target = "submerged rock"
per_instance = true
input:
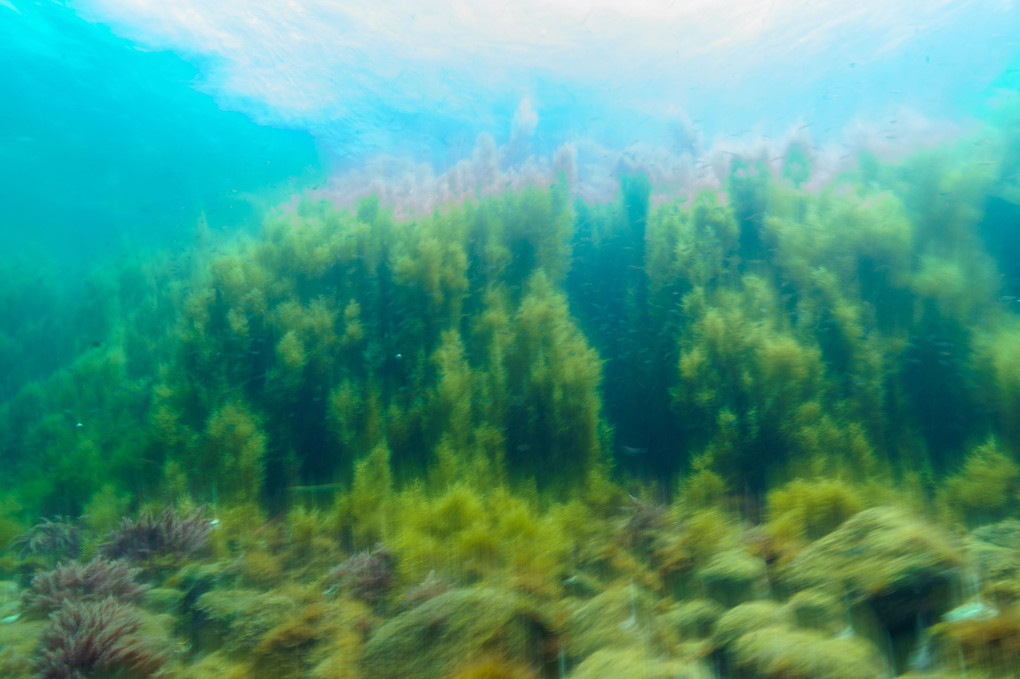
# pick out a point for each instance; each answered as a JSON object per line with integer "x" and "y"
{"x": 693, "y": 619}
{"x": 994, "y": 551}
{"x": 734, "y": 576}
{"x": 617, "y": 617}
{"x": 747, "y": 618}
{"x": 899, "y": 564}
{"x": 455, "y": 628}
{"x": 818, "y": 610}
{"x": 625, "y": 663}
{"x": 761, "y": 640}
{"x": 977, "y": 638}
{"x": 1002, "y": 534}
{"x": 892, "y": 570}
{"x": 236, "y": 619}
{"x": 784, "y": 653}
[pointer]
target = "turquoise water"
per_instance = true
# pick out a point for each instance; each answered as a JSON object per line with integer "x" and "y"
{"x": 525, "y": 340}
{"x": 121, "y": 114}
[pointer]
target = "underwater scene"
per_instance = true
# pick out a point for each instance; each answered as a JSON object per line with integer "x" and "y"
{"x": 553, "y": 339}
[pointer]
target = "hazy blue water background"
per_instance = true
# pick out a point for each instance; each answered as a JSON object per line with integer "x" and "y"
{"x": 130, "y": 117}
{"x": 106, "y": 144}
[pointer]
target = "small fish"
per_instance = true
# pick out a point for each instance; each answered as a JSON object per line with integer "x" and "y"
{"x": 323, "y": 488}
{"x": 631, "y": 450}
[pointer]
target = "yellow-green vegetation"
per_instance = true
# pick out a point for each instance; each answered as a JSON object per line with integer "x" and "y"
{"x": 526, "y": 435}
{"x": 985, "y": 489}
{"x": 619, "y": 617}
{"x": 807, "y": 510}
{"x": 984, "y": 646}
{"x": 877, "y": 552}
{"x": 443, "y": 339}
{"x": 10, "y": 526}
{"x": 780, "y": 652}
{"x": 761, "y": 333}
{"x": 447, "y": 634}
{"x": 734, "y": 576}
{"x": 766, "y": 639}
{"x": 465, "y": 534}
{"x": 105, "y": 509}
{"x": 997, "y": 359}
{"x": 620, "y": 663}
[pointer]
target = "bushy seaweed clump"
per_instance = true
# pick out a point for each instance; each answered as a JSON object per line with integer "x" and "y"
{"x": 985, "y": 489}
{"x": 89, "y": 639}
{"x": 169, "y": 533}
{"x": 93, "y": 625}
{"x": 366, "y": 575}
{"x": 644, "y": 520}
{"x": 58, "y": 539}
{"x": 429, "y": 588}
{"x": 74, "y": 582}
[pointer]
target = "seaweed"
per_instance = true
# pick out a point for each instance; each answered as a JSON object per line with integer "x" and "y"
{"x": 97, "y": 638}
{"x": 170, "y": 533}
{"x": 56, "y": 539}
{"x": 73, "y": 582}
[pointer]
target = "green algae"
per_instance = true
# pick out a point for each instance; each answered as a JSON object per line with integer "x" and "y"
{"x": 734, "y": 576}
{"x": 614, "y": 663}
{"x": 479, "y": 334}
{"x": 435, "y": 638}
{"x": 477, "y": 391}
{"x": 878, "y": 551}
{"x": 779, "y": 653}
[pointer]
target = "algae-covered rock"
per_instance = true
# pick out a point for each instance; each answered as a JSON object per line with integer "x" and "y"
{"x": 18, "y": 644}
{"x": 994, "y": 550}
{"x": 1002, "y": 534}
{"x": 695, "y": 618}
{"x": 986, "y": 640}
{"x": 818, "y": 610}
{"x": 997, "y": 569}
{"x": 285, "y": 651}
{"x": 733, "y": 577}
{"x": 10, "y": 600}
{"x": 617, "y": 617}
{"x": 624, "y": 663}
{"x": 236, "y": 619}
{"x": 760, "y": 640}
{"x": 749, "y": 617}
{"x": 441, "y": 635}
{"x": 900, "y": 565}
{"x": 167, "y": 600}
{"x": 784, "y": 653}
{"x": 494, "y": 668}
{"x": 892, "y": 570}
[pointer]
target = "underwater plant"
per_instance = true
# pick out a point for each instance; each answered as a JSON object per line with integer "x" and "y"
{"x": 148, "y": 535}
{"x": 431, "y": 586}
{"x": 646, "y": 517}
{"x": 56, "y": 539}
{"x": 985, "y": 489}
{"x": 366, "y": 575}
{"x": 96, "y": 639}
{"x": 74, "y": 582}
{"x": 443, "y": 634}
{"x": 811, "y": 508}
